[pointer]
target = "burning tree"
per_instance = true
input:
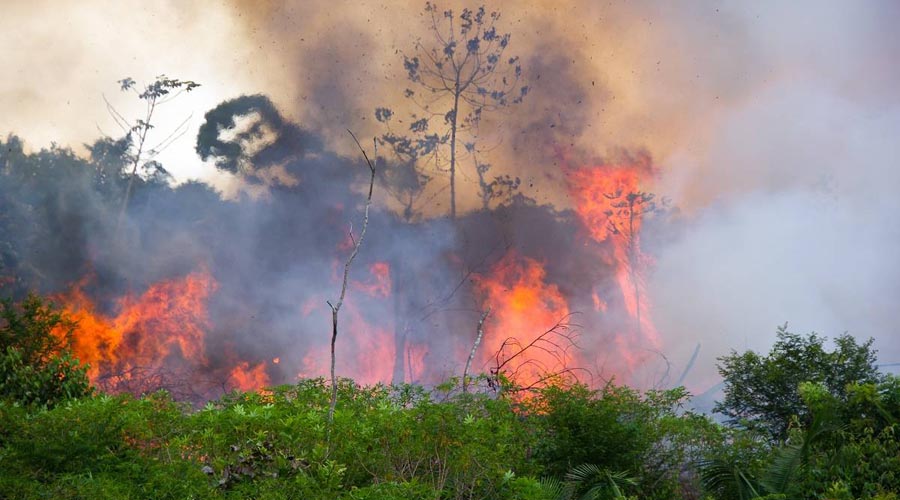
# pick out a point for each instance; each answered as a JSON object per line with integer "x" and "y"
{"x": 462, "y": 74}
{"x": 613, "y": 207}
{"x": 624, "y": 220}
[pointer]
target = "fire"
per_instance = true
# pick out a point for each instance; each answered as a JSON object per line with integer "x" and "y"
{"x": 370, "y": 347}
{"x": 365, "y": 346}
{"x": 248, "y": 379}
{"x": 363, "y": 352}
{"x": 596, "y": 192}
{"x": 523, "y": 307}
{"x": 611, "y": 205}
{"x": 379, "y": 282}
{"x": 164, "y": 325}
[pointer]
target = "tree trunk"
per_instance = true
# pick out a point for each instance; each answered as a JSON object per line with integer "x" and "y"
{"x": 453, "y": 150}
{"x": 400, "y": 332}
{"x": 632, "y": 264}
{"x": 479, "y": 334}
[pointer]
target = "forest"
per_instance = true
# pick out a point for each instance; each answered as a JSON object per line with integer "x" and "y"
{"x": 415, "y": 313}
{"x": 830, "y": 435}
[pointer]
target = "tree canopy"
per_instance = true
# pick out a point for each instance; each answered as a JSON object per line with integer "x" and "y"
{"x": 762, "y": 391}
{"x": 456, "y": 78}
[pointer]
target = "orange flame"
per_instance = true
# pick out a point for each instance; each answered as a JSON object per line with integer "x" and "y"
{"x": 610, "y": 203}
{"x": 167, "y": 321}
{"x": 524, "y": 306}
{"x": 364, "y": 350}
{"x": 248, "y": 379}
{"x": 596, "y": 191}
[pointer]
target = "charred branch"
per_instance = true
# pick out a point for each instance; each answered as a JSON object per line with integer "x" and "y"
{"x": 555, "y": 343}
{"x": 357, "y": 243}
{"x": 478, "y": 336}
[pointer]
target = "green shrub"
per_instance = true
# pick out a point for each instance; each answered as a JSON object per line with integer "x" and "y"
{"x": 36, "y": 364}
{"x": 393, "y": 491}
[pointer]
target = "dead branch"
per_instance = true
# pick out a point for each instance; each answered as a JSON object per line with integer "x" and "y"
{"x": 556, "y": 342}
{"x": 480, "y": 330}
{"x": 336, "y": 307}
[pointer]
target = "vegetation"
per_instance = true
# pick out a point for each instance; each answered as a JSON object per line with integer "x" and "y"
{"x": 138, "y": 153}
{"x": 58, "y": 440}
{"x": 387, "y": 442}
{"x": 762, "y": 391}
{"x": 463, "y": 74}
{"x": 800, "y": 422}
{"x": 36, "y": 364}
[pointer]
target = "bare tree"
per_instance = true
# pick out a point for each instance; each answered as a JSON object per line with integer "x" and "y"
{"x": 357, "y": 243}
{"x": 512, "y": 358}
{"x": 140, "y": 155}
{"x": 624, "y": 219}
{"x": 478, "y": 336}
{"x": 461, "y": 74}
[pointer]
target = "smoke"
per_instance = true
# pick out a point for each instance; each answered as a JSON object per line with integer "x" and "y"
{"x": 772, "y": 126}
{"x": 792, "y": 201}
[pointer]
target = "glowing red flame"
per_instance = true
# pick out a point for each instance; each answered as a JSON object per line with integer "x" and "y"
{"x": 161, "y": 330}
{"x": 168, "y": 319}
{"x": 611, "y": 205}
{"x": 245, "y": 378}
{"x": 523, "y": 307}
{"x": 378, "y": 283}
{"x": 365, "y": 348}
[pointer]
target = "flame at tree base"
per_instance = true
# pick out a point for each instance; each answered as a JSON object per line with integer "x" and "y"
{"x": 525, "y": 336}
{"x": 153, "y": 340}
{"x": 611, "y": 205}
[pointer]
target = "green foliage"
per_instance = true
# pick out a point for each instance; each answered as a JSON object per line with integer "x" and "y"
{"x": 846, "y": 450}
{"x": 648, "y": 437}
{"x": 529, "y": 488}
{"x": 763, "y": 391}
{"x": 36, "y": 365}
{"x": 386, "y": 442}
{"x": 585, "y": 426}
{"x": 595, "y": 483}
{"x": 393, "y": 491}
{"x": 406, "y": 442}
{"x": 101, "y": 447}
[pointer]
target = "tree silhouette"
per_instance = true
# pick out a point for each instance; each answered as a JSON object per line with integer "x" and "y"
{"x": 624, "y": 219}
{"x": 460, "y": 75}
{"x": 136, "y": 133}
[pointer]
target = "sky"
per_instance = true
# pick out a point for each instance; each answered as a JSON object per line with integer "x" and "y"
{"x": 774, "y": 125}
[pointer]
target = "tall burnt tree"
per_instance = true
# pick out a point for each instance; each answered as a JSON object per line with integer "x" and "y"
{"x": 625, "y": 216}
{"x": 461, "y": 74}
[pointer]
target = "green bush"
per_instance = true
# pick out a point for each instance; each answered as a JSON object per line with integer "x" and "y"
{"x": 762, "y": 391}
{"x": 405, "y": 442}
{"x": 36, "y": 364}
{"x": 393, "y": 491}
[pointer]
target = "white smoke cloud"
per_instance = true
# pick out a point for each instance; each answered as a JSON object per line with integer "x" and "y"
{"x": 775, "y": 124}
{"x": 803, "y": 228}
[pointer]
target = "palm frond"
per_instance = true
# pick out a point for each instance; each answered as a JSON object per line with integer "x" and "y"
{"x": 600, "y": 480}
{"x": 554, "y": 489}
{"x": 721, "y": 476}
{"x": 792, "y": 458}
{"x": 787, "y": 462}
